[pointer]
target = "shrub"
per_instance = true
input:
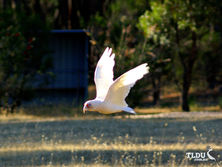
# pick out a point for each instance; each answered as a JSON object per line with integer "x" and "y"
{"x": 22, "y": 57}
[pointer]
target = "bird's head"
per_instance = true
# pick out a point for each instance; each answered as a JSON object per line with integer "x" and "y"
{"x": 88, "y": 106}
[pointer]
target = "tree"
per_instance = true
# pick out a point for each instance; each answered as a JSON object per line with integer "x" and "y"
{"x": 181, "y": 25}
{"x": 157, "y": 47}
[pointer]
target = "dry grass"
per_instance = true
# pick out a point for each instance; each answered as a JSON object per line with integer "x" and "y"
{"x": 33, "y": 147}
{"x": 156, "y": 110}
{"x": 121, "y": 165}
{"x": 104, "y": 141}
{"x": 23, "y": 117}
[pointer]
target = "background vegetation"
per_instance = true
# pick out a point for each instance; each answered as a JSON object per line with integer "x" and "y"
{"x": 23, "y": 59}
{"x": 181, "y": 41}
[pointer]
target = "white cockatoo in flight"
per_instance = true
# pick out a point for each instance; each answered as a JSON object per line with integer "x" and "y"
{"x": 110, "y": 95}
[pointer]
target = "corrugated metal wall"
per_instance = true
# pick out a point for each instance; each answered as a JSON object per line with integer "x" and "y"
{"x": 69, "y": 51}
{"x": 69, "y": 59}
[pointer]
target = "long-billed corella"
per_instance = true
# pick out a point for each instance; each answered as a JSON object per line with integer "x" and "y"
{"x": 110, "y": 95}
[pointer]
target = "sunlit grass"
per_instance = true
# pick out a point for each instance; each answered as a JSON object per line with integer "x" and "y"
{"x": 121, "y": 165}
{"x": 32, "y": 147}
{"x": 205, "y": 108}
{"x": 124, "y": 160}
{"x": 156, "y": 110}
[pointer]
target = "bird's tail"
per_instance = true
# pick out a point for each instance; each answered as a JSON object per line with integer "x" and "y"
{"x": 129, "y": 110}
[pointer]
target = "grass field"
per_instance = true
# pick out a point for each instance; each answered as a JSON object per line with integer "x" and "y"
{"x": 109, "y": 141}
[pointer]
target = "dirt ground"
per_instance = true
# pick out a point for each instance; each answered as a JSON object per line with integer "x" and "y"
{"x": 115, "y": 141}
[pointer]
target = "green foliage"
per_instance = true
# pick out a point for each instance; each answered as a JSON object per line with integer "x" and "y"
{"x": 23, "y": 45}
{"x": 210, "y": 67}
{"x": 151, "y": 22}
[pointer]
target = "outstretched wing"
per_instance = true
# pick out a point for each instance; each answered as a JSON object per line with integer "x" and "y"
{"x": 120, "y": 88}
{"x": 103, "y": 76}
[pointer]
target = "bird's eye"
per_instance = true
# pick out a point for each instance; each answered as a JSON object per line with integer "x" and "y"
{"x": 88, "y": 105}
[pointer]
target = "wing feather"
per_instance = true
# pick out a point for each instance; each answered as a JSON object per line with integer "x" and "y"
{"x": 103, "y": 75}
{"x": 120, "y": 88}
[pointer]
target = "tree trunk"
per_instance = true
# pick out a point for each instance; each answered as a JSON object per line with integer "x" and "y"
{"x": 7, "y": 4}
{"x": 156, "y": 97}
{"x": 61, "y": 21}
{"x": 156, "y": 90}
{"x": 38, "y": 10}
{"x": 188, "y": 64}
{"x": 18, "y": 5}
{"x": 185, "y": 91}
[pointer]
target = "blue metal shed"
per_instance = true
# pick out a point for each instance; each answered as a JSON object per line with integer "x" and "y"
{"x": 69, "y": 52}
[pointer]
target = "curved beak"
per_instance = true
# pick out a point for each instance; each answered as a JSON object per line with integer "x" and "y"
{"x": 84, "y": 110}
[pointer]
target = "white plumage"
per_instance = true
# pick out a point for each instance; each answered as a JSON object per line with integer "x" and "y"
{"x": 103, "y": 76}
{"x": 110, "y": 95}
